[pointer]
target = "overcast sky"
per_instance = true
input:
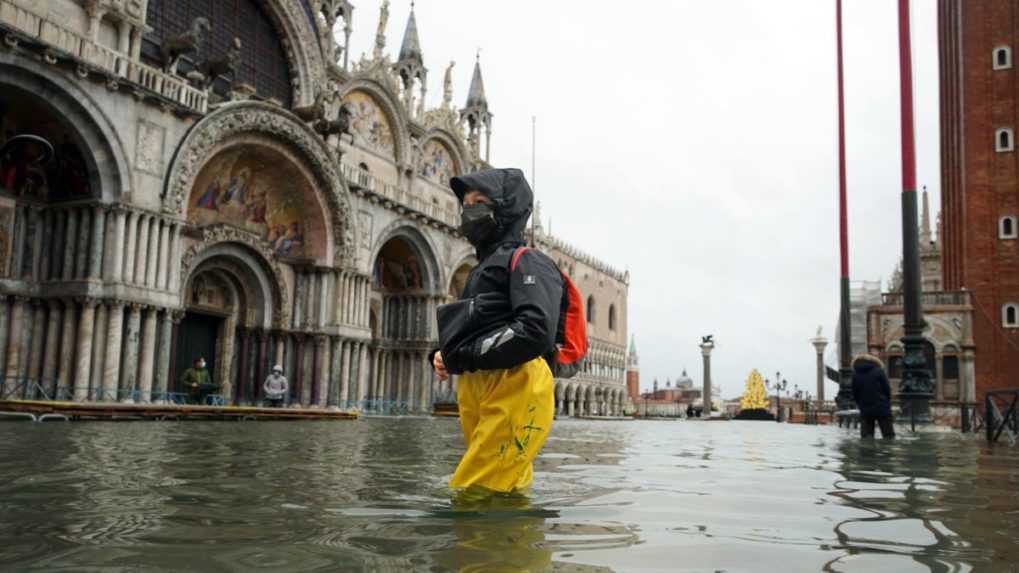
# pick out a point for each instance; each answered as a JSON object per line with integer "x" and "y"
{"x": 694, "y": 143}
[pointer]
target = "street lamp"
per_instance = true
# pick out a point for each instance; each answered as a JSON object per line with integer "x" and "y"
{"x": 780, "y": 386}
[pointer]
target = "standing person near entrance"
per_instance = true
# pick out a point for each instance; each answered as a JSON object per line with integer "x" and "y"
{"x": 496, "y": 335}
{"x": 873, "y": 396}
{"x": 197, "y": 382}
{"x": 276, "y": 387}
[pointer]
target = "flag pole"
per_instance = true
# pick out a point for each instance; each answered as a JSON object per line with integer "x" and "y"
{"x": 534, "y": 186}
{"x": 844, "y": 398}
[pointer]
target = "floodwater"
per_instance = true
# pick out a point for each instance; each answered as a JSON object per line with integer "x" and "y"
{"x": 370, "y": 495}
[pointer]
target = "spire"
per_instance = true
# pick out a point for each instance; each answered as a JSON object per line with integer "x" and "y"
{"x": 410, "y": 50}
{"x": 925, "y": 222}
{"x": 633, "y": 345}
{"x": 632, "y": 362}
{"x": 476, "y": 95}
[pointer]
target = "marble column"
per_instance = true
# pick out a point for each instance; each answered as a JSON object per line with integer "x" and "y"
{"x": 70, "y": 240}
{"x": 243, "y": 358}
{"x": 163, "y": 269}
{"x": 939, "y": 386}
{"x": 322, "y": 371}
{"x": 65, "y": 371}
{"x": 129, "y": 377}
{"x": 83, "y": 369}
{"x": 113, "y": 265}
{"x": 114, "y": 342}
{"x": 165, "y": 329}
{"x": 99, "y": 340}
{"x": 279, "y": 340}
{"x": 347, "y": 393}
{"x": 52, "y": 347}
{"x": 47, "y": 245}
{"x": 173, "y": 276}
{"x": 37, "y": 243}
{"x": 225, "y": 359}
{"x": 57, "y": 245}
{"x": 176, "y": 316}
{"x": 298, "y": 314}
{"x": 152, "y": 264}
{"x": 362, "y": 369}
{"x": 146, "y": 370}
{"x": 262, "y": 372}
{"x": 14, "y": 340}
{"x": 376, "y": 374}
{"x": 307, "y": 375}
{"x": 33, "y": 351}
{"x": 82, "y": 248}
{"x": 95, "y": 263}
{"x": 131, "y": 242}
{"x": 335, "y": 370}
{"x": 298, "y": 378}
{"x": 5, "y": 321}
{"x": 142, "y": 249}
{"x": 425, "y": 372}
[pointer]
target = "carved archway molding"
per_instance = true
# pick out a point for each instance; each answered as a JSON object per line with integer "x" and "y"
{"x": 384, "y": 97}
{"x": 249, "y": 117}
{"x": 420, "y": 242}
{"x": 454, "y": 144}
{"x": 221, "y": 234}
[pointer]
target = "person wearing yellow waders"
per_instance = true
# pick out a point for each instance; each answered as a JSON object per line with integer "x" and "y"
{"x": 498, "y": 335}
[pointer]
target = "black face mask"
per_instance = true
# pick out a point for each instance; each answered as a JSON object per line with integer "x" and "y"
{"x": 478, "y": 223}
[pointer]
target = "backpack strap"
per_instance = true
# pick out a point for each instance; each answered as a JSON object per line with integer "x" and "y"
{"x": 519, "y": 252}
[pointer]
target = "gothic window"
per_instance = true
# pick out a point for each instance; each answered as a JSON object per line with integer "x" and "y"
{"x": 1003, "y": 140}
{"x": 1007, "y": 228}
{"x": 612, "y": 317}
{"x": 1002, "y": 58}
{"x": 1010, "y": 315}
{"x": 950, "y": 367}
{"x": 590, "y": 309}
{"x": 263, "y": 59}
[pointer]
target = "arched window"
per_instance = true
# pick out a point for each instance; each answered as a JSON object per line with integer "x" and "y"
{"x": 1002, "y": 58}
{"x": 1003, "y": 140}
{"x": 612, "y": 317}
{"x": 1007, "y": 228}
{"x": 263, "y": 60}
{"x": 590, "y": 309}
{"x": 1010, "y": 315}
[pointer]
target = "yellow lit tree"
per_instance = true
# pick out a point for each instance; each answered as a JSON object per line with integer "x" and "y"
{"x": 754, "y": 396}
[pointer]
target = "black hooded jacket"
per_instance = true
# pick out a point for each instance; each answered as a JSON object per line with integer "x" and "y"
{"x": 871, "y": 390}
{"x": 503, "y": 319}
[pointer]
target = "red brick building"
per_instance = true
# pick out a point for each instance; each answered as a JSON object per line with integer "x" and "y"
{"x": 980, "y": 191}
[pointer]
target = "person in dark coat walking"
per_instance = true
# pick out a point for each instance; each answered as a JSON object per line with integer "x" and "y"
{"x": 873, "y": 396}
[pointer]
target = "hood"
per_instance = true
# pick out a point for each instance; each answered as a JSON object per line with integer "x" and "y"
{"x": 865, "y": 362}
{"x": 512, "y": 198}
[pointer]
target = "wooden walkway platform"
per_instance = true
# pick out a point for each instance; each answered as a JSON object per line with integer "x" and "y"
{"x": 125, "y": 412}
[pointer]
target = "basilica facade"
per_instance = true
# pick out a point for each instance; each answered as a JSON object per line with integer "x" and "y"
{"x": 196, "y": 178}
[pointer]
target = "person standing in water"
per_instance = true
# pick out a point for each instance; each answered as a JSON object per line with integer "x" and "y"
{"x": 497, "y": 335}
{"x": 873, "y": 396}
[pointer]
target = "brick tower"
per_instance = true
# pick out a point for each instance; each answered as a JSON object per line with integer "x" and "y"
{"x": 979, "y": 163}
{"x": 633, "y": 372}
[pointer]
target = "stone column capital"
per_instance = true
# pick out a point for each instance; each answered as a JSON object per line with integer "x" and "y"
{"x": 176, "y": 316}
{"x": 87, "y": 301}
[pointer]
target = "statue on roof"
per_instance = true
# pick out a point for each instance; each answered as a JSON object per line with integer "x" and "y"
{"x": 447, "y": 85}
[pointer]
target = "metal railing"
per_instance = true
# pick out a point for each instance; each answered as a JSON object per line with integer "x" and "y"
{"x": 1004, "y": 419}
{"x": 956, "y": 298}
{"x": 365, "y": 180}
{"x": 41, "y": 28}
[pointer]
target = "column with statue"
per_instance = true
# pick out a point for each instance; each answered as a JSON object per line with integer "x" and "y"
{"x": 707, "y": 345}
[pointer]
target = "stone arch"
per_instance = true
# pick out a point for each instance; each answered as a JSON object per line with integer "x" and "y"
{"x": 255, "y": 121}
{"x": 391, "y": 108}
{"x": 101, "y": 145}
{"x": 422, "y": 246}
{"x": 465, "y": 263}
{"x": 452, "y": 144}
{"x": 300, "y": 40}
{"x": 250, "y": 263}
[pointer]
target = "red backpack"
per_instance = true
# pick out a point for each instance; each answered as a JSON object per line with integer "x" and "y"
{"x": 571, "y": 335}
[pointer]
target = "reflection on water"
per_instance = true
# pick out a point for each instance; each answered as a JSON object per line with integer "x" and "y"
{"x": 371, "y": 496}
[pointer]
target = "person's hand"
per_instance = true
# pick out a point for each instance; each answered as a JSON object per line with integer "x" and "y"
{"x": 440, "y": 367}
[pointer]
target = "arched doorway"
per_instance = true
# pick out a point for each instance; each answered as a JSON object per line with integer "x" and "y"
{"x": 229, "y": 300}
{"x": 404, "y": 298}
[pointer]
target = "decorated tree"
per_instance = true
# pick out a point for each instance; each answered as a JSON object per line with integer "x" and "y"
{"x": 754, "y": 396}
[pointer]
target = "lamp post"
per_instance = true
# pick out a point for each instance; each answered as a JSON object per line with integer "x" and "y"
{"x": 915, "y": 389}
{"x": 780, "y": 385}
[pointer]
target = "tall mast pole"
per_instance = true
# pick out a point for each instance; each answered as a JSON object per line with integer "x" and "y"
{"x": 844, "y": 398}
{"x": 916, "y": 388}
{"x": 534, "y": 184}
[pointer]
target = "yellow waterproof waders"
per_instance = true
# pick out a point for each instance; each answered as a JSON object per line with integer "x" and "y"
{"x": 506, "y": 416}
